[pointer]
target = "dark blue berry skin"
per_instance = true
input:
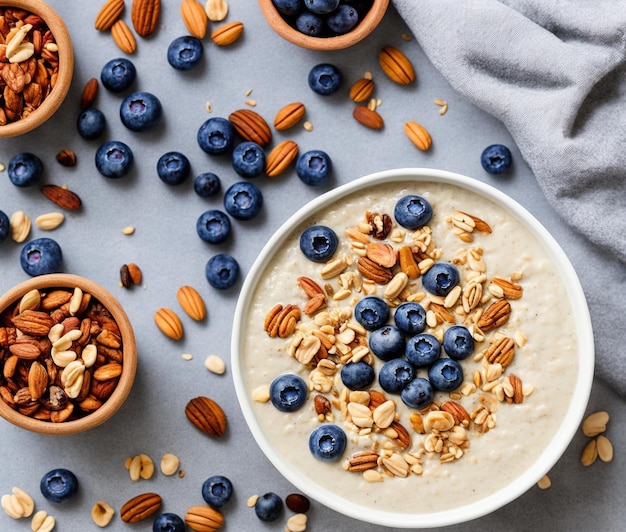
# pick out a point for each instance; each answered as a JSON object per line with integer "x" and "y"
{"x": 357, "y": 375}
{"x": 216, "y": 136}
{"x": 41, "y": 256}
{"x": 288, "y": 8}
{"x": 213, "y": 226}
{"x": 59, "y": 485}
{"x": 222, "y": 271}
{"x": 248, "y": 159}
{"x": 445, "y": 374}
{"x": 418, "y": 393}
{"x": 141, "y": 111}
{"x": 321, "y": 7}
{"x": 394, "y": 375}
{"x": 118, "y": 74}
{"x": 327, "y": 442}
{"x": 412, "y": 211}
{"x": 314, "y": 167}
{"x": 114, "y": 159}
{"x": 422, "y": 350}
{"x": 496, "y": 159}
{"x": 441, "y": 278}
{"x": 173, "y": 168}
{"x": 5, "y": 226}
{"x": 318, "y": 243}
{"x": 91, "y": 123}
{"x": 217, "y": 491}
{"x": 268, "y": 507}
{"x": 243, "y": 200}
{"x": 25, "y": 169}
{"x": 387, "y": 342}
{"x": 310, "y": 24}
{"x": 185, "y": 53}
{"x": 410, "y": 317}
{"x": 325, "y": 79}
{"x": 168, "y": 522}
{"x": 207, "y": 184}
{"x": 458, "y": 342}
{"x": 371, "y": 312}
{"x": 343, "y": 19}
{"x": 288, "y": 392}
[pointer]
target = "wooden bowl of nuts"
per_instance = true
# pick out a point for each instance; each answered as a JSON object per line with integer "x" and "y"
{"x": 37, "y": 62}
{"x": 67, "y": 353}
{"x": 320, "y": 29}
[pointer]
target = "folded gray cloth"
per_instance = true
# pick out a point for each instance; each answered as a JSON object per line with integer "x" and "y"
{"x": 553, "y": 71}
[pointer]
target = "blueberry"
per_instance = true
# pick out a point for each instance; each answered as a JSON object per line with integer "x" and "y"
{"x": 321, "y": 7}
{"x": 206, "y": 184}
{"x": 441, "y": 278}
{"x": 412, "y": 211}
{"x": 445, "y": 374}
{"x": 141, "y": 111}
{"x": 410, "y": 317}
{"x": 173, "y": 168}
{"x": 288, "y": 8}
{"x": 41, "y": 256}
{"x": 309, "y": 24}
{"x": 168, "y": 522}
{"x": 217, "y": 491}
{"x": 5, "y": 226}
{"x": 248, "y": 159}
{"x": 496, "y": 159}
{"x": 314, "y": 167}
{"x": 25, "y": 169}
{"x": 387, "y": 342}
{"x": 184, "y": 53}
{"x": 371, "y": 312}
{"x": 394, "y": 375}
{"x": 216, "y": 136}
{"x": 357, "y": 375}
{"x": 325, "y": 79}
{"x": 91, "y": 123}
{"x": 327, "y": 442}
{"x": 422, "y": 350}
{"x": 213, "y": 226}
{"x": 343, "y": 19}
{"x": 243, "y": 200}
{"x": 59, "y": 485}
{"x": 318, "y": 243}
{"x": 458, "y": 342}
{"x": 222, "y": 271}
{"x": 118, "y": 74}
{"x": 268, "y": 507}
{"x": 418, "y": 393}
{"x": 114, "y": 159}
{"x": 288, "y": 392}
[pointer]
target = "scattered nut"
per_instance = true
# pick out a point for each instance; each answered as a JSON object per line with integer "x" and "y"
{"x": 169, "y": 464}
{"x": 215, "y": 365}
{"x": 102, "y": 514}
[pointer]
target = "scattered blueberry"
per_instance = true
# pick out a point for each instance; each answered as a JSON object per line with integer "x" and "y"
{"x": 441, "y": 278}
{"x": 314, "y": 167}
{"x": 371, "y": 312}
{"x": 387, "y": 342}
{"x": 357, "y": 375}
{"x": 321, "y": 7}
{"x": 327, "y": 442}
{"x": 184, "y": 53}
{"x": 213, "y": 226}
{"x": 310, "y": 24}
{"x": 318, "y": 243}
{"x": 217, "y": 491}
{"x": 173, "y": 168}
{"x": 141, "y": 111}
{"x": 445, "y": 374}
{"x": 458, "y": 342}
{"x": 91, "y": 123}
{"x": 207, "y": 184}
{"x": 288, "y": 392}
{"x": 496, "y": 159}
{"x": 168, "y": 522}
{"x": 118, "y": 74}
{"x": 422, "y": 350}
{"x": 25, "y": 169}
{"x": 325, "y": 79}
{"x": 412, "y": 211}
{"x": 418, "y": 393}
{"x": 222, "y": 271}
{"x": 343, "y": 19}
{"x": 268, "y": 507}
{"x": 114, "y": 159}
{"x": 288, "y": 8}
{"x": 394, "y": 375}
{"x": 243, "y": 200}
{"x": 410, "y": 317}
{"x": 216, "y": 136}
{"x": 248, "y": 159}
{"x": 59, "y": 485}
{"x": 5, "y": 226}
{"x": 41, "y": 256}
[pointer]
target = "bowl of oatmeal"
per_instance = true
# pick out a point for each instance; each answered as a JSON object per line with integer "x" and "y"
{"x": 424, "y": 366}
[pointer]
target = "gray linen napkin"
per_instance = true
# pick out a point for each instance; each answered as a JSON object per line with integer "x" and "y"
{"x": 554, "y": 72}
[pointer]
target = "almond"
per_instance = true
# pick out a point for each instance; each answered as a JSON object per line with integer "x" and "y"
{"x": 135, "y": 273}
{"x": 61, "y": 196}
{"x": 216, "y": 10}
{"x": 108, "y": 14}
{"x": 90, "y": 91}
{"x": 251, "y": 126}
{"x": 418, "y": 135}
{"x": 191, "y": 302}
{"x": 123, "y": 37}
{"x": 169, "y": 323}
{"x": 33, "y": 322}
{"x": 145, "y": 15}
{"x": 49, "y": 221}
{"x": 140, "y": 507}
{"x": 381, "y": 253}
{"x": 361, "y": 90}
{"x": 227, "y": 33}
{"x": 368, "y": 117}
{"x": 203, "y": 519}
{"x": 396, "y": 65}
{"x": 207, "y": 416}
{"x": 66, "y": 158}
{"x": 37, "y": 380}
{"x": 280, "y": 158}
{"x": 289, "y": 116}
{"x": 194, "y": 18}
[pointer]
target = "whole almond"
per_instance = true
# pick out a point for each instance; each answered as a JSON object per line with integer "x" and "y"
{"x": 279, "y": 159}
{"x": 194, "y": 18}
{"x": 595, "y": 423}
{"x": 206, "y": 415}
{"x": 396, "y": 65}
{"x": 140, "y": 507}
{"x": 37, "y": 380}
{"x": 169, "y": 323}
{"x": 203, "y": 519}
{"x": 216, "y": 10}
{"x": 297, "y": 503}
{"x": 135, "y": 273}
{"x": 66, "y": 157}
{"x": 61, "y": 196}
{"x": 289, "y": 115}
{"x": 368, "y": 117}
{"x": 90, "y": 91}
{"x": 361, "y": 90}
{"x": 123, "y": 37}
{"x": 227, "y": 33}
{"x": 418, "y": 135}
{"x": 108, "y": 14}
{"x": 251, "y": 126}
{"x": 145, "y": 15}
{"x": 191, "y": 302}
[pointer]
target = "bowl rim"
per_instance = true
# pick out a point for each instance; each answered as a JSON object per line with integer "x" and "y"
{"x": 568, "y": 426}
{"x": 53, "y": 101}
{"x": 124, "y": 386}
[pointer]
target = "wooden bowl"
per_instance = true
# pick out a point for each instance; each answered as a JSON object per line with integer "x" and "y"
{"x": 111, "y": 405}
{"x": 291, "y": 34}
{"x": 55, "y": 98}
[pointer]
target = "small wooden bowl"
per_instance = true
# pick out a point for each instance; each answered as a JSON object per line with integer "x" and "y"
{"x": 53, "y": 101}
{"x": 129, "y": 362}
{"x": 291, "y": 34}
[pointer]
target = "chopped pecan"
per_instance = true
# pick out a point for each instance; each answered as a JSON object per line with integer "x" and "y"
{"x": 363, "y": 461}
{"x": 509, "y": 289}
{"x": 458, "y": 412}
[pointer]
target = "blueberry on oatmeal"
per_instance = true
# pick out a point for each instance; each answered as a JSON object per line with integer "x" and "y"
{"x": 327, "y": 442}
{"x": 318, "y": 243}
{"x": 288, "y": 392}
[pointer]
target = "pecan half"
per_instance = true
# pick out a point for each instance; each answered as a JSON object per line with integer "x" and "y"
{"x": 495, "y": 315}
{"x": 363, "y": 461}
{"x": 501, "y": 351}
{"x": 373, "y": 271}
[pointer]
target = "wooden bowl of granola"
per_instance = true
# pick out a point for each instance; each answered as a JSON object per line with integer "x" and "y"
{"x": 67, "y": 352}
{"x": 38, "y": 70}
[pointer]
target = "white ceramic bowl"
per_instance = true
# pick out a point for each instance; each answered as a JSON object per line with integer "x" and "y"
{"x": 313, "y": 484}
